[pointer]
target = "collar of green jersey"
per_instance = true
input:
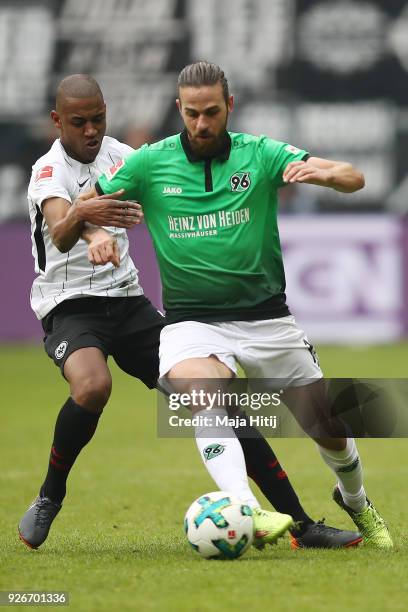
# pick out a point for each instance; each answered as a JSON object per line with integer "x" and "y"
{"x": 223, "y": 154}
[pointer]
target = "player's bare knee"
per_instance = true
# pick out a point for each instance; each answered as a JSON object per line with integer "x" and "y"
{"x": 92, "y": 392}
{"x": 200, "y": 378}
{"x": 200, "y": 367}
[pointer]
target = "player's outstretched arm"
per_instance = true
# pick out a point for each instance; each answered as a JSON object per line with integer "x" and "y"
{"x": 66, "y": 221}
{"x": 337, "y": 175}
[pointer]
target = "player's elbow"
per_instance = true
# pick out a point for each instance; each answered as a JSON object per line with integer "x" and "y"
{"x": 60, "y": 242}
{"x": 61, "y": 246}
{"x": 355, "y": 182}
{"x": 360, "y": 181}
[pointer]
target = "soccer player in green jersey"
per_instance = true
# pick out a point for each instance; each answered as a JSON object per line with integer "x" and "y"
{"x": 103, "y": 312}
{"x": 210, "y": 202}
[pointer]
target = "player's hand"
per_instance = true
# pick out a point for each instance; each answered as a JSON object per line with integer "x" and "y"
{"x": 103, "y": 249}
{"x": 108, "y": 210}
{"x": 302, "y": 172}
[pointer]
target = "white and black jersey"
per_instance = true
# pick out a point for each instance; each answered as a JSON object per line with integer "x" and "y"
{"x": 63, "y": 276}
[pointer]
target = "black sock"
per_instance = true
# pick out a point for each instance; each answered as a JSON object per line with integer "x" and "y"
{"x": 264, "y": 468}
{"x": 74, "y": 428}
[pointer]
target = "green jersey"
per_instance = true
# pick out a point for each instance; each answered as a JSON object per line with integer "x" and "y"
{"x": 213, "y": 224}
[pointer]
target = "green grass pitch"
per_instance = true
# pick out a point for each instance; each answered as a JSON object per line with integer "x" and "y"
{"x": 118, "y": 543}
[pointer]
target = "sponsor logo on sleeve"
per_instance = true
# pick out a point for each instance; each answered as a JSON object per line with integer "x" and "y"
{"x": 114, "y": 169}
{"x": 292, "y": 149}
{"x": 44, "y": 173}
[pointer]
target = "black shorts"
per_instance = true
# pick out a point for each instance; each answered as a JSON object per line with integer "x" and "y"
{"x": 126, "y": 328}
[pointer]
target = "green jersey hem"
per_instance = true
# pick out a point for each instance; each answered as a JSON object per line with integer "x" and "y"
{"x": 272, "y": 308}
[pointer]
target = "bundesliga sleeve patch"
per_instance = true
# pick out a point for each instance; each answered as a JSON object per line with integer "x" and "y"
{"x": 44, "y": 173}
{"x": 110, "y": 173}
{"x": 292, "y": 149}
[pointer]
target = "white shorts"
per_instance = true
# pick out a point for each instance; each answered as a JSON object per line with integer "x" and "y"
{"x": 275, "y": 349}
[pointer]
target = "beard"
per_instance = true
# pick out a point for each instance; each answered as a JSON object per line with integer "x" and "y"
{"x": 205, "y": 144}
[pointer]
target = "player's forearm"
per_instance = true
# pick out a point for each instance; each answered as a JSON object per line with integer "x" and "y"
{"x": 66, "y": 232}
{"x": 337, "y": 175}
{"x": 345, "y": 178}
{"x": 90, "y": 232}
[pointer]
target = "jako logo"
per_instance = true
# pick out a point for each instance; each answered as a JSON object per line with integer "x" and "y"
{"x": 172, "y": 190}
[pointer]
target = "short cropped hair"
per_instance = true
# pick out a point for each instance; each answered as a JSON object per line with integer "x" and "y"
{"x": 203, "y": 73}
{"x": 77, "y": 86}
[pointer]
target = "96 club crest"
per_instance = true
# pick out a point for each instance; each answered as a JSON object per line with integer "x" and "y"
{"x": 240, "y": 181}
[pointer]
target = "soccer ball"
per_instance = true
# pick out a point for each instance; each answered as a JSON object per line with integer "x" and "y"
{"x": 218, "y": 525}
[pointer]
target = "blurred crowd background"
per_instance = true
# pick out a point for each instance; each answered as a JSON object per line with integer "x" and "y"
{"x": 330, "y": 76}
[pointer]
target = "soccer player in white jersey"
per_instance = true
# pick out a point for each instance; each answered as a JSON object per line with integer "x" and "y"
{"x": 224, "y": 289}
{"x": 89, "y": 312}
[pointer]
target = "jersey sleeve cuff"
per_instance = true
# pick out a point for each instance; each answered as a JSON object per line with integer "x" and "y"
{"x": 305, "y": 157}
{"x": 53, "y": 194}
{"x": 98, "y": 189}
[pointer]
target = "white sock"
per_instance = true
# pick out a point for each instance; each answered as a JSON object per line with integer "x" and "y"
{"x": 222, "y": 455}
{"x": 346, "y": 465}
